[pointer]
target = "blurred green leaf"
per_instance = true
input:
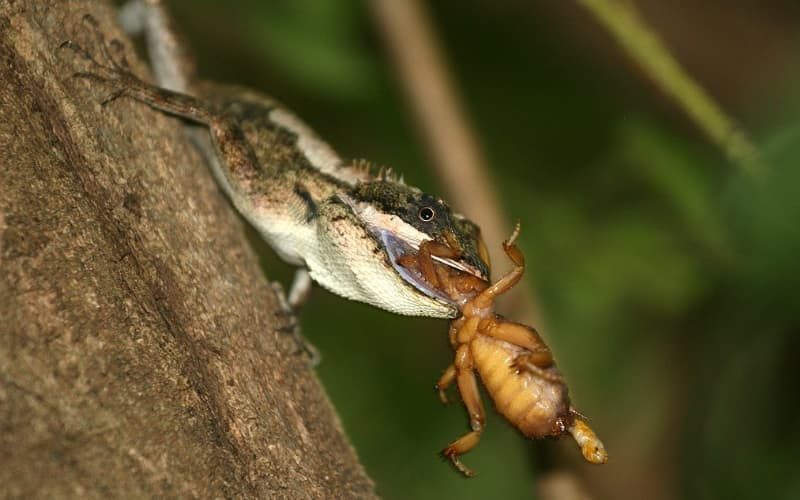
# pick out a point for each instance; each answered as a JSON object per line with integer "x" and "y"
{"x": 685, "y": 179}
{"x": 315, "y": 43}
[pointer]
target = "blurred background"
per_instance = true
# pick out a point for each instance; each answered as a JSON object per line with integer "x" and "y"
{"x": 667, "y": 277}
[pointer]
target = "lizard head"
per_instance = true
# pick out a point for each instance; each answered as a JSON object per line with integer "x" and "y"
{"x": 401, "y": 217}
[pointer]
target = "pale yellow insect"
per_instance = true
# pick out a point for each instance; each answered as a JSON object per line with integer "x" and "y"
{"x": 512, "y": 360}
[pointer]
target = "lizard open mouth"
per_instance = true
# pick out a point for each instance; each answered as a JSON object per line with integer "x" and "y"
{"x": 397, "y": 247}
{"x": 399, "y": 239}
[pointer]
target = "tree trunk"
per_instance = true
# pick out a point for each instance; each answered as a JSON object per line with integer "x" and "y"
{"x": 140, "y": 350}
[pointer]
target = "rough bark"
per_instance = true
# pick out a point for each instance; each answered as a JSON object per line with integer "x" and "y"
{"x": 140, "y": 350}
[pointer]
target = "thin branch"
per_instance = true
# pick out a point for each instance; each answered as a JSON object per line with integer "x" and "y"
{"x": 643, "y": 45}
{"x": 457, "y": 156}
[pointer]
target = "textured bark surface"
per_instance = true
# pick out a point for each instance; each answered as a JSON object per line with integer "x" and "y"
{"x": 139, "y": 347}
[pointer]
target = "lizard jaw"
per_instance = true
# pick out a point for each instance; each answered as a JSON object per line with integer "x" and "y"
{"x": 398, "y": 238}
{"x": 396, "y": 247}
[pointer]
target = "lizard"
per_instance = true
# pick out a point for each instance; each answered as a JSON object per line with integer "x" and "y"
{"x": 344, "y": 224}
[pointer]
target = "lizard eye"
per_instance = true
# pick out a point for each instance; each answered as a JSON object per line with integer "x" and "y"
{"x": 426, "y": 214}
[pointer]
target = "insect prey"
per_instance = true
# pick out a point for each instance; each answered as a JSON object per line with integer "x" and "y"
{"x": 511, "y": 359}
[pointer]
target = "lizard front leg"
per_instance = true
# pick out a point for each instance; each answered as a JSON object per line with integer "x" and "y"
{"x": 170, "y": 60}
{"x": 298, "y": 295}
{"x": 241, "y": 167}
{"x": 288, "y": 310}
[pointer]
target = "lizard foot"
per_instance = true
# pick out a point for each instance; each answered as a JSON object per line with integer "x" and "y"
{"x": 292, "y": 326}
{"x": 111, "y": 69}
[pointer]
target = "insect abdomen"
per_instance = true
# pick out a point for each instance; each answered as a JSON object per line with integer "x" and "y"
{"x": 536, "y": 406}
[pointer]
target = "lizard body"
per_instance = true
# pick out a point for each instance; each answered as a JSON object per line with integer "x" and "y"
{"x": 342, "y": 221}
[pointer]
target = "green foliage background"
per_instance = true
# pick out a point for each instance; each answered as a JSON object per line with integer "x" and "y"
{"x": 669, "y": 279}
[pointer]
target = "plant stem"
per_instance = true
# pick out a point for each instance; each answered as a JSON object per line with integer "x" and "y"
{"x": 643, "y": 45}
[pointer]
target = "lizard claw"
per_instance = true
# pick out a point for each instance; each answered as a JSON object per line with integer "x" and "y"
{"x": 112, "y": 69}
{"x": 292, "y": 326}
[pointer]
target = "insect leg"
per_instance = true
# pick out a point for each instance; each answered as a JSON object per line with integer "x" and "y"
{"x": 425, "y": 265}
{"x": 452, "y": 332}
{"x": 507, "y": 282}
{"x": 517, "y": 334}
{"x": 427, "y": 250}
{"x": 468, "y": 387}
{"x": 444, "y": 383}
{"x": 467, "y": 283}
{"x": 512, "y": 250}
{"x": 538, "y": 363}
